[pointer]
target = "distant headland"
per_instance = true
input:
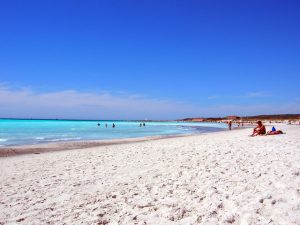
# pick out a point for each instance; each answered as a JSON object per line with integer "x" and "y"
{"x": 274, "y": 117}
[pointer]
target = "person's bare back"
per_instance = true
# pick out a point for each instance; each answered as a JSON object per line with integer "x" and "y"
{"x": 259, "y": 130}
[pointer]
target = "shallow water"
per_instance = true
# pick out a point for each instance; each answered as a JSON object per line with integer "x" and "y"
{"x": 20, "y": 132}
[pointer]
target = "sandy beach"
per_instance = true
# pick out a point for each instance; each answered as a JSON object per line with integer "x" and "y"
{"x": 217, "y": 178}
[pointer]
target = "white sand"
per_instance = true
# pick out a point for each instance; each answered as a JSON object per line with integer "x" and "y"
{"x": 219, "y": 178}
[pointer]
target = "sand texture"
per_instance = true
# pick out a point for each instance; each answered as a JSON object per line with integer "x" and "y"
{"x": 217, "y": 178}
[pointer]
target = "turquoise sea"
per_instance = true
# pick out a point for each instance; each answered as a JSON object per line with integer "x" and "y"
{"x": 20, "y": 132}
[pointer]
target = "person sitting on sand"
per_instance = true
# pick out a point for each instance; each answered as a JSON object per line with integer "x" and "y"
{"x": 259, "y": 130}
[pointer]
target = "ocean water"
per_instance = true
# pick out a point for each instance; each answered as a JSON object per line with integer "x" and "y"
{"x": 20, "y": 132}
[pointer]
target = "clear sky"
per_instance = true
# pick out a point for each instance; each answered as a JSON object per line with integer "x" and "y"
{"x": 148, "y": 59}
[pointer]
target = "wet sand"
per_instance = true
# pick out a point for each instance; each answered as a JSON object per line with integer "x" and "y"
{"x": 73, "y": 145}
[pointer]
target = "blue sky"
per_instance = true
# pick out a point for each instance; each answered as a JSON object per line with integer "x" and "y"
{"x": 148, "y": 59}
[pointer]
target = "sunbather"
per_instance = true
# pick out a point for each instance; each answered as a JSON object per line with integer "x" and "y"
{"x": 259, "y": 130}
{"x": 274, "y": 132}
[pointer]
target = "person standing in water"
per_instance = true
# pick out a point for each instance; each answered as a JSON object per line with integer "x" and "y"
{"x": 229, "y": 125}
{"x": 113, "y": 126}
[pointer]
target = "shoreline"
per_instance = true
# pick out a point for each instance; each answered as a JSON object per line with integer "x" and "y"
{"x": 39, "y": 148}
{"x": 9, "y": 151}
{"x": 84, "y": 135}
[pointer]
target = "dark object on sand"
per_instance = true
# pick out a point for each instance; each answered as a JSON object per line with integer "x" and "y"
{"x": 274, "y": 132}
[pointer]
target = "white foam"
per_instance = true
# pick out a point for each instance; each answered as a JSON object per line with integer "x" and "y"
{"x": 65, "y": 139}
{"x": 40, "y": 138}
{"x": 3, "y": 140}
